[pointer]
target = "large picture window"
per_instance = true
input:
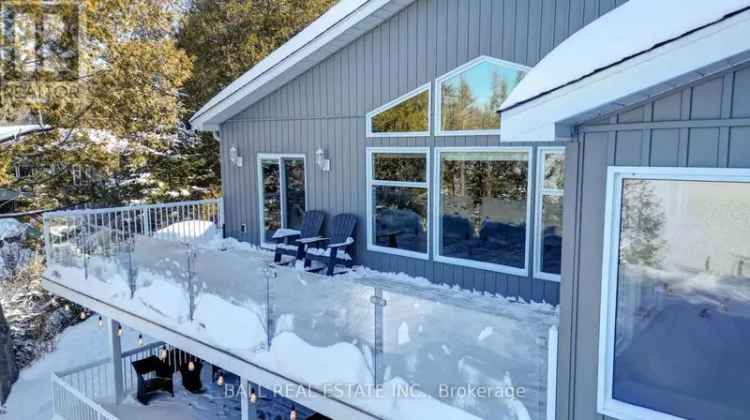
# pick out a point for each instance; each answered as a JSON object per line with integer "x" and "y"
{"x": 405, "y": 116}
{"x": 482, "y": 208}
{"x": 676, "y": 294}
{"x": 398, "y": 201}
{"x": 469, "y": 97}
{"x": 281, "y": 187}
{"x": 549, "y": 213}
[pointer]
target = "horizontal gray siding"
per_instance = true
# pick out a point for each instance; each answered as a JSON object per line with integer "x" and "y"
{"x": 703, "y": 125}
{"x": 325, "y": 107}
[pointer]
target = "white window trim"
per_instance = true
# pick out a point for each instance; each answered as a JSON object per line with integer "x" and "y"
{"x": 436, "y": 219}
{"x": 371, "y": 183}
{"x": 606, "y": 404}
{"x": 405, "y": 97}
{"x": 279, "y": 157}
{"x": 439, "y": 95}
{"x": 540, "y": 193}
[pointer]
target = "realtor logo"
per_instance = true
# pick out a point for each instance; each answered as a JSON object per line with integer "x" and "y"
{"x": 39, "y": 41}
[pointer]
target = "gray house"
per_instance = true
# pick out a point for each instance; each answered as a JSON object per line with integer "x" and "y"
{"x": 646, "y": 109}
{"x": 583, "y": 161}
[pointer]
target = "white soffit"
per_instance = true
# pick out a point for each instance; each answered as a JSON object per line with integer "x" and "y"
{"x": 693, "y": 56}
{"x": 342, "y": 24}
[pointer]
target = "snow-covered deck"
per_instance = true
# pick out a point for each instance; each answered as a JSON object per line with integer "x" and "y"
{"x": 392, "y": 346}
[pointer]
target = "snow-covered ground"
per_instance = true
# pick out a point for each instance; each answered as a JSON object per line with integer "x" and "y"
{"x": 432, "y": 335}
{"x": 31, "y": 396}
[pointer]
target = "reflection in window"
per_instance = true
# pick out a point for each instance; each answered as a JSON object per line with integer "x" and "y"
{"x": 683, "y": 298}
{"x": 271, "y": 198}
{"x": 550, "y": 194}
{"x": 470, "y": 99}
{"x": 399, "y": 209}
{"x": 295, "y": 192}
{"x": 483, "y": 206}
{"x": 409, "y": 114}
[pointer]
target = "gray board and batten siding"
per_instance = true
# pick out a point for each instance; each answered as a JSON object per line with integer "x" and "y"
{"x": 325, "y": 108}
{"x": 706, "y": 124}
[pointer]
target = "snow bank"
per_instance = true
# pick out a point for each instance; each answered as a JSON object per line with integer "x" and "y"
{"x": 611, "y": 38}
{"x": 199, "y": 230}
{"x": 11, "y": 228}
{"x": 31, "y": 396}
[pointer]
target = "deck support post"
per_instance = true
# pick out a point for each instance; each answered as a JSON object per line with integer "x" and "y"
{"x": 249, "y": 409}
{"x": 115, "y": 348}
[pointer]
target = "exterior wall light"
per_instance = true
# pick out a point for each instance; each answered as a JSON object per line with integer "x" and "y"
{"x": 234, "y": 156}
{"x": 322, "y": 160}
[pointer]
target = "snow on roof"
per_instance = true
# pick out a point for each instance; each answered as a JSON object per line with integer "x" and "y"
{"x": 12, "y": 131}
{"x": 629, "y": 30}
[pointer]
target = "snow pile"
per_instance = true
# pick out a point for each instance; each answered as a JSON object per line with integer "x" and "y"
{"x": 611, "y": 38}
{"x": 11, "y": 229}
{"x": 31, "y": 397}
{"x": 194, "y": 230}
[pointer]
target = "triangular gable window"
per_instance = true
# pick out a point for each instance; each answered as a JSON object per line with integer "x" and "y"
{"x": 408, "y": 116}
{"x": 468, "y": 97}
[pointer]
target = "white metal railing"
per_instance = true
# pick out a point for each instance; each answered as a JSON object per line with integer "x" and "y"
{"x": 75, "y": 391}
{"x": 109, "y": 229}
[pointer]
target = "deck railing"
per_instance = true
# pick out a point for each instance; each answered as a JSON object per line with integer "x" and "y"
{"x": 75, "y": 391}
{"x": 393, "y": 330}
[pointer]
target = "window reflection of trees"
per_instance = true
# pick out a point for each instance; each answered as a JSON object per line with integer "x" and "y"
{"x": 408, "y": 116}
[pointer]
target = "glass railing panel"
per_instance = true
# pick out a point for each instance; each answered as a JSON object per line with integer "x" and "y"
{"x": 159, "y": 284}
{"x": 474, "y": 363}
{"x": 322, "y": 328}
{"x": 230, "y": 306}
{"x": 65, "y": 242}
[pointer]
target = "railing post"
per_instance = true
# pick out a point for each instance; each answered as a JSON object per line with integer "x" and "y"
{"x": 379, "y": 303}
{"x": 47, "y": 243}
{"x": 552, "y": 346}
{"x": 221, "y": 217}
{"x": 146, "y": 215}
{"x": 270, "y": 273}
{"x": 115, "y": 348}
{"x": 249, "y": 408}
{"x": 191, "y": 257}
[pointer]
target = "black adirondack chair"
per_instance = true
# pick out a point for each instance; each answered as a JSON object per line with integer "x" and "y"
{"x": 286, "y": 240}
{"x": 327, "y": 250}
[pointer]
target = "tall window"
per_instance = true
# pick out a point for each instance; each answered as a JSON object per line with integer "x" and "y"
{"x": 676, "y": 294}
{"x": 408, "y": 115}
{"x": 281, "y": 185}
{"x": 398, "y": 201}
{"x": 482, "y": 208}
{"x": 469, "y": 97}
{"x": 549, "y": 205}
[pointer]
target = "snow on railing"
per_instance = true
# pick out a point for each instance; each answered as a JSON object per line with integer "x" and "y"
{"x": 75, "y": 391}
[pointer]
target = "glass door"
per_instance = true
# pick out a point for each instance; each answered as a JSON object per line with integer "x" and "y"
{"x": 282, "y": 193}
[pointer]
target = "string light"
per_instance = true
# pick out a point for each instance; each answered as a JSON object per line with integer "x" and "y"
{"x": 67, "y": 307}
{"x": 140, "y": 340}
{"x": 293, "y": 414}
{"x": 191, "y": 366}
{"x": 163, "y": 353}
{"x": 100, "y": 322}
{"x": 253, "y": 397}
{"x": 83, "y": 315}
{"x": 120, "y": 332}
{"x": 220, "y": 381}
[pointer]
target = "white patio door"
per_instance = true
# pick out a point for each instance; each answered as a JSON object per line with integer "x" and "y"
{"x": 282, "y": 197}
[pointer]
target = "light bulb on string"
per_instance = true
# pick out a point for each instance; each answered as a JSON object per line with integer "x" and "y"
{"x": 220, "y": 381}
{"x": 83, "y": 315}
{"x": 100, "y": 322}
{"x": 140, "y": 340}
{"x": 191, "y": 366}
{"x": 67, "y": 307}
{"x": 163, "y": 353}
{"x": 293, "y": 414}
{"x": 253, "y": 397}
{"x": 120, "y": 332}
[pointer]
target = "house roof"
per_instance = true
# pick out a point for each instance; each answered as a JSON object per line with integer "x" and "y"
{"x": 636, "y": 27}
{"x": 609, "y": 65}
{"x": 335, "y": 29}
{"x": 12, "y": 132}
